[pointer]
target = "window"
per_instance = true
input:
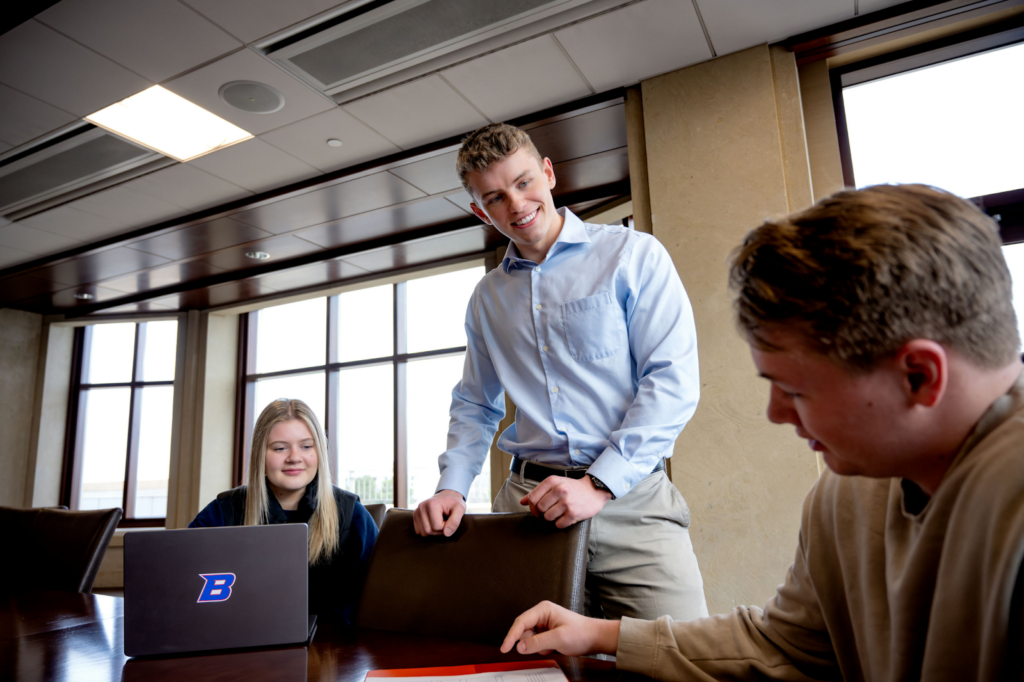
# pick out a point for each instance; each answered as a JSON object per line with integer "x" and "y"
{"x": 119, "y": 449}
{"x": 946, "y": 115}
{"x": 377, "y": 366}
{"x": 955, "y": 124}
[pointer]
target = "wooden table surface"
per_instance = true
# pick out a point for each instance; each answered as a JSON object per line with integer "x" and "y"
{"x": 63, "y": 636}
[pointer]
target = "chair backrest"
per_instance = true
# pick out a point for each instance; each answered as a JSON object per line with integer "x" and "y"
{"x": 377, "y": 511}
{"x": 472, "y": 585}
{"x": 55, "y": 549}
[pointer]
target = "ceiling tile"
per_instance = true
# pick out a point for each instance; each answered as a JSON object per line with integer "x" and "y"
{"x": 66, "y": 299}
{"x": 255, "y": 165}
{"x": 222, "y": 294}
{"x": 163, "y": 276}
{"x": 126, "y": 209}
{"x": 36, "y": 242}
{"x": 42, "y": 63}
{"x": 461, "y": 242}
{"x": 737, "y": 24}
{"x": 416, "y": 113}
{"x": 326, "y": 272}
{"x": 384, "y": 222}
{"x": 605, "y": 48}
{"x": 434, "y": 175}
{"x": 147, "y": 37}
{"x": 280, "y": 248}
{"x": 869, "y": 6}
{"x": 307, "y": 140}
{"x": 202, "y": 85}
{"x": 462, "y": 200}
{"x": 187, "y": 187}
{"x": 250, "y": 20}
{"x": 199, "y": 239}
{"x": 330, "y": 203}
{"x": 24, "y": 118}
{"x": 518, "y": 80}
{"x": 9, "y": 257}
{"x": 100, "y": 265}
{"x": 73, "y": 223}
{"x": 140, "y": 307}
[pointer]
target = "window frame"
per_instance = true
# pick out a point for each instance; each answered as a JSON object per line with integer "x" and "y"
{"x": 71, "y": 473}
{"x": 1007, "y": 208}
{"x": 399, "y": 359}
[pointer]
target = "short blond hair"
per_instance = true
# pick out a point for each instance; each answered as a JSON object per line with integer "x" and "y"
{"x": 862, "y": 272}
{"x": 488, "y": 145}
{"x": 323, "y": 525}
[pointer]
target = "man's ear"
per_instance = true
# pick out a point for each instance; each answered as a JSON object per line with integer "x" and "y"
{"x": 479, "y": 213}
{"x": 924, "y": 366}
{"x": 549, "y": 173}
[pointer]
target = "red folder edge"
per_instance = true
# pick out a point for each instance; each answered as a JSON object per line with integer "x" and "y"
{"x": 454, "y": 670}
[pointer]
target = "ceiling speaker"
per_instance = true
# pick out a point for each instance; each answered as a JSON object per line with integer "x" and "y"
{"x": 256, "y": 98}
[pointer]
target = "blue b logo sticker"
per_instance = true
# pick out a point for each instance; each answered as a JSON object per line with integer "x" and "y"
{"x": 217, "y": 587}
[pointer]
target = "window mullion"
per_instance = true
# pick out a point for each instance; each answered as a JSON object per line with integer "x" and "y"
{"x": 333, "y": 377}
{"x": 401, "y": 430}
{"x": 131, "y": 459}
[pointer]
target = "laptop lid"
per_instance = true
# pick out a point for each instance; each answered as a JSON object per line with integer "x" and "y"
{"x": 201, "y": 589}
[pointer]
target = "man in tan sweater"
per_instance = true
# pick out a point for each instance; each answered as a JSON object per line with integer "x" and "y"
{"x": 883, "y": 320}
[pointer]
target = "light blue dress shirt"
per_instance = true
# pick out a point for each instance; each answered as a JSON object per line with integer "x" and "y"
{"x": 597, "y": 349}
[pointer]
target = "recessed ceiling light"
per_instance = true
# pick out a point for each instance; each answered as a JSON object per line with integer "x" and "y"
{"x": 161, "y": 120}
{"x": 334, "y": 143}
{"x": 257, "y": 255}
{"x": 83, "y": 297}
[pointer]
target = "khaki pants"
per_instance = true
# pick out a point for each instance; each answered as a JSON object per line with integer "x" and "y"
{"x": 641, "y": 563}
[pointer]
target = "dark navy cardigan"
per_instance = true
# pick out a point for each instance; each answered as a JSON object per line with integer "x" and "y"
{"x": 334, "y": 585}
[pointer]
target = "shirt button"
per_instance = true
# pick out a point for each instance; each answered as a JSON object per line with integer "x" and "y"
{"x": 625, "y": 486}
{"x": 539, "y": 306}
{"x": 544, "y": 348}
{"x": 555, "y": 389}
{"x": 577, "y": 451}
{"x": 537, "y": 268}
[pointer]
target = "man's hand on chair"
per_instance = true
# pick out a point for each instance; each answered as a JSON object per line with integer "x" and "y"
{"x": 566, "y": 500}
{"x": 440, "y": 514}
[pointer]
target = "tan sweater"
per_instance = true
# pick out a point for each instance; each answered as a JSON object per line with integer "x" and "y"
{"x": 877, "y": 592}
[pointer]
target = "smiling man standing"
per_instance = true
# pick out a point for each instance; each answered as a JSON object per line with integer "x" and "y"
{"x": 588, "y": 329}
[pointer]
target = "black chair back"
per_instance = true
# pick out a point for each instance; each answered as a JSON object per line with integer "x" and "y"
{"x": 55, "y": 549}
{"x": 377, "y": 511}
{"x": 472, "y": 585}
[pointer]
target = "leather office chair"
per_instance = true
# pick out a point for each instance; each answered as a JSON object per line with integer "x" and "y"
{"x": 377, "y": 511}
{"x": 472, "y": 585}
{"x": 54, "y": 549}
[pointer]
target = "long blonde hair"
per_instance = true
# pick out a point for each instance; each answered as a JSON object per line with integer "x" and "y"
{"x": 323, "y": 525}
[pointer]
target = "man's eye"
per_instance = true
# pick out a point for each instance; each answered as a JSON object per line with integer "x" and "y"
{"x": 494, "y": 199}
{"x": 524, "y": 183}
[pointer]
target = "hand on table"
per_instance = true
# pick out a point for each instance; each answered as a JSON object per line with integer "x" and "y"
{"x": 548, "y": 627}
{"x": 566, "y": 500}
{"x": 440, "y": 514}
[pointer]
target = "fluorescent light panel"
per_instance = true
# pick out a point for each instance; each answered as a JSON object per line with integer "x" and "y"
{"x": 161, "y": 120}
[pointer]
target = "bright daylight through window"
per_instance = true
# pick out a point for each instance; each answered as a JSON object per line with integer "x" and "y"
{"x": 122, "y": 445}
{"x": 343, "y": 357}
{"x": 955, "y": 125}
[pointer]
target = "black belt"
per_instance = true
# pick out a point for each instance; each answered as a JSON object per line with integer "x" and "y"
{"x": 538, "y": 472}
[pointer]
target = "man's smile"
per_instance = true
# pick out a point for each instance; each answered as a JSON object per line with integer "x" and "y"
{"x": 522, "y": 222}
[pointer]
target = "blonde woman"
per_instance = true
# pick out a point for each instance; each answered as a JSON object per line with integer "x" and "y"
{"x": 289, "y": 453}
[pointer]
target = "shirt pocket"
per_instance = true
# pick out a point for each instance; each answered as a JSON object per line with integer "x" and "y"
{"x": 595, "y": 327}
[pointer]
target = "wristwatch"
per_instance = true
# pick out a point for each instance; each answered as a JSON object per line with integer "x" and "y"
{"x": 599, "y": 484}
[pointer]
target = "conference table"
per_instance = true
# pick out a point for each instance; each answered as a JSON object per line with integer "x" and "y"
{"x": 66, "y": 636}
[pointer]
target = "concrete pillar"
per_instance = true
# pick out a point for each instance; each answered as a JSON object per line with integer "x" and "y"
{"x": 725, "y": 148}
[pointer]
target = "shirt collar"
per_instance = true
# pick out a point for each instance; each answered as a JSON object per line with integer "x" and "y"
{"x": 573, "y": 232}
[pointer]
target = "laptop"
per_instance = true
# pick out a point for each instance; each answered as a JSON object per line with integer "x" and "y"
{"x": 202, "y": 589}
